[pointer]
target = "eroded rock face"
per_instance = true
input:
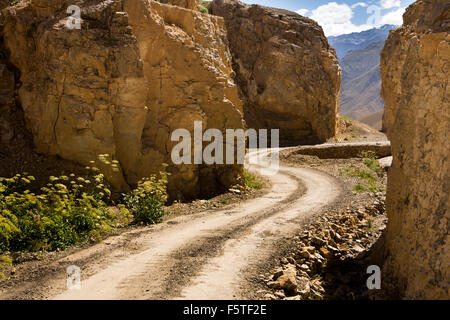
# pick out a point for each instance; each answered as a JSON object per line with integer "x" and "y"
{"x": 288, "y": 74}
{"x": 188, "y": 4}
{"x": 7, "y": 103}
{"x": 4, "y": 3}
{"x": 133, "y": 73}
{"x": 415, "y": 65}
{"x": 8, "y": 86}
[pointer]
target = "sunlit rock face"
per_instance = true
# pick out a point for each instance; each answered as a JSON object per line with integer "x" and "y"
{"x": 415, "y": 68}
{"x": 135, "y": 71}
{"x": 288, "y": 74}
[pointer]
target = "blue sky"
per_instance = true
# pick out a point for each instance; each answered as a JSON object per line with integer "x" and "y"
{"x": 344, "y": 16}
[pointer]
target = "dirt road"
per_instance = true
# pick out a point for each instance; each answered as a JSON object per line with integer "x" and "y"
{"x": 200, "y": 256}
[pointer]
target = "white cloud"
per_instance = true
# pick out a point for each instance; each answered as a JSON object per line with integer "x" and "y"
{"x": 393, "y": 17}
{"x": 344, "y": 28}
{"x": 387, "y": 4}
{"x": 302, "y": 12}
{"x": 359, "y": 4}
{"x": 335, "y": 19}
{"x": 332, "y": 13}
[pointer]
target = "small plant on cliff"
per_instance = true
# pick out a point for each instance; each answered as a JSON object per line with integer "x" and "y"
{"x": 346, "y": 118}
{"x": 368, "y": 174}
{"x": 251, "y": 181}
{"x": 370, "y": 160}
{"x": 147, "y": 201}
{"x": 203, "y": 9}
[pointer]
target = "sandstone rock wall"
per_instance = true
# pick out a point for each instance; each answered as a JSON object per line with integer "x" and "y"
{"x": 7, "y": 98}
{"x": 4, "y": 3}
{"x": 415, "y": 68}
{"x": 188, "y": 4}
{"x": 134, "y": 72}
{"x": 288, "y": 74}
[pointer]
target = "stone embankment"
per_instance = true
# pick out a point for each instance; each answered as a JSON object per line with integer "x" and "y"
{"x": 345, "y": 150}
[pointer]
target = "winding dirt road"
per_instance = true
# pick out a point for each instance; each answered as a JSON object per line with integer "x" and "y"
{"x": 201, "y": 256}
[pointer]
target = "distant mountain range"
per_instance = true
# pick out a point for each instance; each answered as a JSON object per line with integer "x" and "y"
{"x": 361, "y": 82}
{"x": 359, "y": 40}
{"x": 359, "y": 57}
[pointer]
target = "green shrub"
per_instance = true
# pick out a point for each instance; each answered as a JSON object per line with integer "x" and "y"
{"x": 251, "y": 181}
{"x": 371, "y": 162}
{"x": 67, "y": 210}
{"x": 368, "y": 174}
{"x": 147, "y": 201}
{"x": 71, "y": 209}
{"x": 5, "y": 261}
{"x": 203, "y": 9}
{"x": 346, "y": 118}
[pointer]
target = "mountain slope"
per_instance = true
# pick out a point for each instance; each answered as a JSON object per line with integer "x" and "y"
{"x": 359, "y": 40}
{"x": 356, "y": 63}
{"x": 375, "y": 120}
{"x": 359, "y": 57}
{"x": 361, "y": 83}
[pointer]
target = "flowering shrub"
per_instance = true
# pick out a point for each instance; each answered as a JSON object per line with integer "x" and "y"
{"x": 148, "y": 199}
{"x": 71, "y": 209}
{"x": 67, "y": 210}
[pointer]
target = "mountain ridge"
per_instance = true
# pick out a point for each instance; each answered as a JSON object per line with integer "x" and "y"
{"x": 359, "y": 58}
{"x": 359, "y": 40}
{"x": 361, "y": 84}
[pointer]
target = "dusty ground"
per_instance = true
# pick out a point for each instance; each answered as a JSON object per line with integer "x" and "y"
{"x": 222, "y": 248}
{"x": 201, "y": 255}
{"x": 329, "y": 266}
{"x": 31, "y": 269}
{"x": 351, "y": 130}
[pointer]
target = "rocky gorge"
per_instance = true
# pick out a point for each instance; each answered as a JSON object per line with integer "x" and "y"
{"x": 138, "y": 70}
{"x": 133, "y": 71}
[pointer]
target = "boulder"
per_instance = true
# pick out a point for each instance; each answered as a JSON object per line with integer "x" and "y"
{"x": 288, "y": 74}
{"x": 303, "y": 287}
{"x": 415, "y": 68}
{"x": 288, "y": 280}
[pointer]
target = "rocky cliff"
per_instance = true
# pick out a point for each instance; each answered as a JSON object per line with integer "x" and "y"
{"x": 415, "y": 68}
{"x": 135, "y": 71}
{"x": 288, "y": 74}
{"x": 7, "y": 98}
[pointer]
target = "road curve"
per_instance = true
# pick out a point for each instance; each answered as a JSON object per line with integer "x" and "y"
{"x": 203, "y": 256}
